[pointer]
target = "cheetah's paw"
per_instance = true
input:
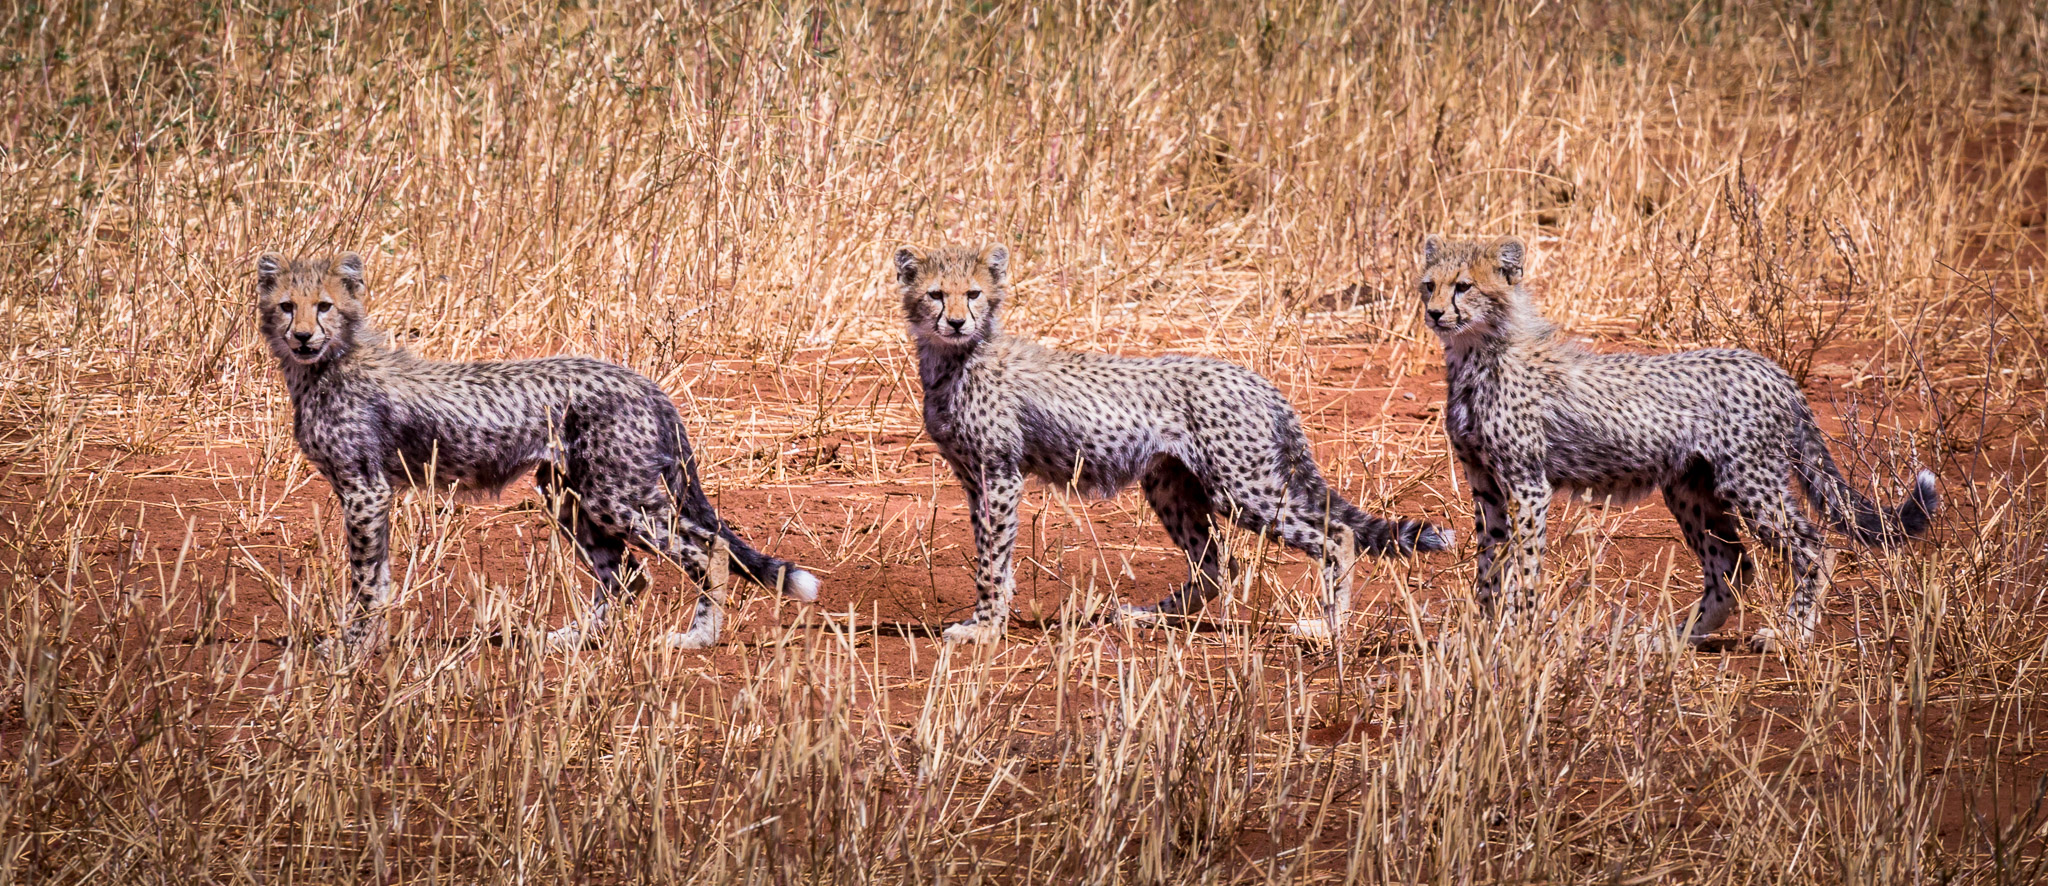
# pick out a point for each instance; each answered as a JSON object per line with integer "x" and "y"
{"x": 974, "y": 632}
{"x": 1138, "y": 615}
{"x": 336, "y": 653}
{"x": 329, "y": 650}
{"x": 328, "y": 653}
{"x": 1663, "y": 641}
{"x": 694, "y": 638}
{"x": 567, "y": 639}
{"x": 1313, "y": 629}
{"x": 1767, "y": 641}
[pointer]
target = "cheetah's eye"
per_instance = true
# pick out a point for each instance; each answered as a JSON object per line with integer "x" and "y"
{"x": 284, "y": 307}
{"x": 936, "y": 295}
{"x": 325, "y": 306}
{"x": 973, "y": 294}
{"x": 1460, "y": 288}
{"x": 1428, "y": 286}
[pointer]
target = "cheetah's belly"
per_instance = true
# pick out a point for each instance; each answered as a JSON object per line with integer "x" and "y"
{"x": 1095, "y": 447}
{"x": 1612, "y": 493}
{"x": 473, "y": 462}
{"x": 1616, "y": 471}
{"x": 1089, "y": 471}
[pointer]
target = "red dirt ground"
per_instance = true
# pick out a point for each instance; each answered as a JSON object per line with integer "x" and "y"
{"x": 895, "y": 549}
{"x": 1115, "y": 544}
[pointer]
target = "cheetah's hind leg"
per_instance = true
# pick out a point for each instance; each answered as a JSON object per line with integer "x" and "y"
{"x": 973, "y": 632}
{"x": 1336, "y": 547}
{"x": 1186, "y": 510}
{"x": 1310, "y": 524}
{"x": 619, "y": 579}
{"x": 709, "y": 621}
{"x": 1711, "y": 533}
{"x": 619, "y": 576}
{"x": 1762, "y": 501}
{"x": 684, "y": 543}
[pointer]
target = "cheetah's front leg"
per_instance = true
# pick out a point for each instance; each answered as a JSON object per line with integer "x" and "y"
{"x": 366, "y": 507}
{"x": 1489, "y": 526}
{"x": 992, "y": 498}
{"x": 1527, "y": 512}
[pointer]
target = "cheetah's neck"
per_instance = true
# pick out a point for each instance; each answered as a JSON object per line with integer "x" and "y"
{"x": 940, "y": 367}
{"x": 1473, "y": 365}
{"x": 1517, "y": 338}
{"x": 301, "y": 378}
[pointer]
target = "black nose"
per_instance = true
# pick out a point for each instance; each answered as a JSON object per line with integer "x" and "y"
{"x": 957, "y": 324}
{"x": 1436, "y": 313}
{"x": 303, "y": 337}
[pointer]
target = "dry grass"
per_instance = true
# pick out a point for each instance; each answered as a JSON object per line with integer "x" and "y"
{"x": 708, "y": 193}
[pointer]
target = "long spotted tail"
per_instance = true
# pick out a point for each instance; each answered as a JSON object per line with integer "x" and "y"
{"x": 1388, "y": 537}
{"x": 764, "y": 570}
{"x": 1380, "y": 536}
{"x": 1847, "y": 509}
{"x": 748, "y": 563}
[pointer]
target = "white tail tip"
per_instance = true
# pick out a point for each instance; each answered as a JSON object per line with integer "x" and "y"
{"x": 801, "y": 585}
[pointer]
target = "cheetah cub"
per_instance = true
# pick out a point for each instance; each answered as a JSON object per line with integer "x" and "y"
{"x": 1206, "y": 439}
{"x": 1715, "y": 430}
{"x": 606, "y": 447}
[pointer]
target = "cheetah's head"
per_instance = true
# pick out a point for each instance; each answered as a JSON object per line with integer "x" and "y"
{"x": 1470, "y": 286}
{"x": 309, "y": 308}
{"x": 951, "y": 295}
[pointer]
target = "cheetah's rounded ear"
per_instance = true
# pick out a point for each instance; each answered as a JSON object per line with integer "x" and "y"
{"x": 1432, "y": 246}
{"x": 268, "y": 266}
{"x": 1511, "y": 254}
{"x": 907, "y": 261}
{"x": 350, "y": 268}
{"x": 997, "y": 258}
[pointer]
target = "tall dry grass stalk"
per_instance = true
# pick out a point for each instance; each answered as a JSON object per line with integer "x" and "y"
{"x": 707, "y": 192}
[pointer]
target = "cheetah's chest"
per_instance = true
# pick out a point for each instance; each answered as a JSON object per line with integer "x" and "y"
{"x": 1459, "y": 424}
{"x": 1490, "y": 405}
{"x": 1470, "y": 416}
